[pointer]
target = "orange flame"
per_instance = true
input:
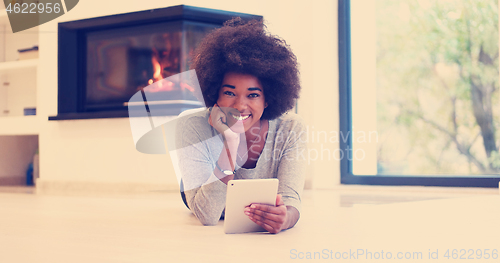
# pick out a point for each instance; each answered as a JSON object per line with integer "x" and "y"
{"x": 160, "y": 83}
{"x": 157, "y": 69}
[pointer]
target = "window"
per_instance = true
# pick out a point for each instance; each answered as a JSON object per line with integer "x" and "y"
{"x": 419, "y": 92}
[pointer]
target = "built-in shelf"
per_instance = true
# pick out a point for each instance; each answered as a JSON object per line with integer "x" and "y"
{"x": 19, "y": 64}
{"x": 18, "y": 90}
{"x": 19, "y": 125}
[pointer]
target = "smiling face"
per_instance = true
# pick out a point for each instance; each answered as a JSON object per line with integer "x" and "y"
{"x": 241, "y": 98}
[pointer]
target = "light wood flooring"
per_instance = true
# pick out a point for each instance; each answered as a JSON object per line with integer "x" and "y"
{"x": 157, "y": 227}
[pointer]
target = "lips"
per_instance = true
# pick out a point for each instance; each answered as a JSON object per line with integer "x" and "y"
{"x": 238, "y": 121}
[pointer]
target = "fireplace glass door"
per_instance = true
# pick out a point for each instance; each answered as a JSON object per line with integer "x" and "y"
{"x": 122, "y": 61}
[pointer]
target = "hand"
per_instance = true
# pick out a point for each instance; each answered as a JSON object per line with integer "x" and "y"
{"x": 218, "y": 120}
{"x": 271, "y": 218}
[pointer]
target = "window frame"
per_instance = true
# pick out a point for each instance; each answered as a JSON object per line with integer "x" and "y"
{"x": 345, "y": 126}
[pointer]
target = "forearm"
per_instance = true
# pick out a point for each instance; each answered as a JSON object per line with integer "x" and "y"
{"x": 207, "y": 202}
{"x": 226, "y": 161}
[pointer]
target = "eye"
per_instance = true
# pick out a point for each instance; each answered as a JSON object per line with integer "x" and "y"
{"x": 228, "y": 93}
{"x": 254, "y": 95}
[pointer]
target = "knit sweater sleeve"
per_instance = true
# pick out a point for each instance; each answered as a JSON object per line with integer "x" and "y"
{"x": 292, "y": 162}
{"x": 205, "y": 193}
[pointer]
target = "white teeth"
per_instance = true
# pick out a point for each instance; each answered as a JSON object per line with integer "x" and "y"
{"x": 240, "y": 118}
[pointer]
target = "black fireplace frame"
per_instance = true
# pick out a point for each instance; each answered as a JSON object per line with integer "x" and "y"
{"x": 72, "y": 51}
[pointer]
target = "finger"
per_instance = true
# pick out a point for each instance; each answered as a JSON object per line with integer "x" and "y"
{"x": 263, "y": 208}
{"x": 217, "y": 118}
{"x": 223, "y": 119}
{"x": 213, "y": 113}
{"x": 221, "y": 115}
{"x": 271, "y": 222}
{"x": 266, "y": 226}
{"x": 276, "y": 214}
{"x": 271, "y": 219}
{"x": 279, "y": 200}
{"x": 210, "y": 118}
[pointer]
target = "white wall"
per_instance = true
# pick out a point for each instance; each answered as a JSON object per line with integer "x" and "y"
{"x": 18, "y": 88}
{"x": 21, "y": 90}
{"x": 102, "y": 150}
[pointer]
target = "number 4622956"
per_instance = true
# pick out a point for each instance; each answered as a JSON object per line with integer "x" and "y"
{"x": 33, "y": 8}
{"x": 471, "y": 254}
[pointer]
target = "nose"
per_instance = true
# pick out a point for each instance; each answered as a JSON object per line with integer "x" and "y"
{"x": 240, "y": 104}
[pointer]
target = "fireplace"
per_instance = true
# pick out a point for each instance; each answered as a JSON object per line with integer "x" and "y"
{"x": 104, "y": 61}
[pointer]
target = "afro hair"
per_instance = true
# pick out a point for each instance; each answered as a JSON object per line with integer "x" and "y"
{"x": 246, "y": 47}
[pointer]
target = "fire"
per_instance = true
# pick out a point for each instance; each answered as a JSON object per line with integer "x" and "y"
{"x": 160, "y": 84}
{"x": 165, "y": 62}
{"x": 157, "y": 68}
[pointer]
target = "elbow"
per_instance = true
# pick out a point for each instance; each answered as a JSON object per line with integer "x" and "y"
{"x": 209, "y": 222}
{"x": 206, "y": 219}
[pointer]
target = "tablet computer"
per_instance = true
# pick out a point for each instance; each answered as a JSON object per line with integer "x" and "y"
{"x": 242, "y": 193}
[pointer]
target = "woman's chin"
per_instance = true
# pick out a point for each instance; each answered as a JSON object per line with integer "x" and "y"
{"x": 238, "y": 127}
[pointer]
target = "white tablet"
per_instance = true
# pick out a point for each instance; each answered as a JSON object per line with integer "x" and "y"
{"x": 242, "y": 193}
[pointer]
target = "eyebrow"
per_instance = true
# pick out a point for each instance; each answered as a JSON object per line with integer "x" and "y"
{"x": 255, "y": 88}
{"x": 233, "y": 87}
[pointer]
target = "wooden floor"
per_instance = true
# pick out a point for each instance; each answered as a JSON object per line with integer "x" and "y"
{"x": 341, "y": 225}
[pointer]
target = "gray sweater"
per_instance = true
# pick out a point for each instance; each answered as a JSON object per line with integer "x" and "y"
{"x": 199, "y": 146}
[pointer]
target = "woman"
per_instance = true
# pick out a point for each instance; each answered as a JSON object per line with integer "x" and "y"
{"x": 250, "y": 80}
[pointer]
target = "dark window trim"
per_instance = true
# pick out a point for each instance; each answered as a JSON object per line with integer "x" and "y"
{"x": 346, "y": 175}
